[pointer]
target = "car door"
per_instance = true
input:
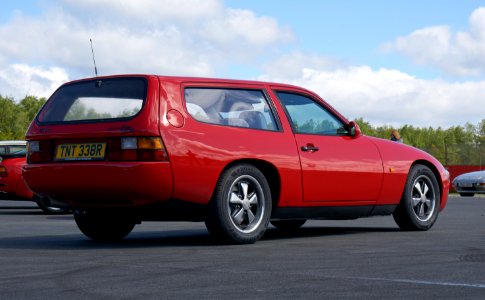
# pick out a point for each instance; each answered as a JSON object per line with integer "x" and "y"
{"x": 336, "y": 167}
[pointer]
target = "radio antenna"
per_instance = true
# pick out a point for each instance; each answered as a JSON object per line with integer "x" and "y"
{"x": 94, "y": 61}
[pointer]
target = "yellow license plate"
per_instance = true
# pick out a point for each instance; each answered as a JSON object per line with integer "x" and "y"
{"x": 84, "y": 151}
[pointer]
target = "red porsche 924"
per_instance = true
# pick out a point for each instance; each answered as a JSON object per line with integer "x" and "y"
{"x": 119, "y": 150}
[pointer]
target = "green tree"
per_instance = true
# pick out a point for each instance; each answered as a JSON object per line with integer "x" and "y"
{"x": 366, "y": 127}
{"x": 15, "y": 117}
{"x": 481, "y": 132}
{"x": 457, "y": 145}
{"x": 31, "y": 106}
{"x": 13, "y": 120}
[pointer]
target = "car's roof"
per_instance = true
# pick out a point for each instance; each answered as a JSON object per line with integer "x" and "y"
{"x": 13, "y": 143}
{"x": 203, "y": 80}
{"x": 195, "y": 79}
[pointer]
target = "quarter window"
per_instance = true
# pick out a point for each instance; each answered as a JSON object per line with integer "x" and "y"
{"x": 309, "y": 117}
{"x": 232, "y": 107}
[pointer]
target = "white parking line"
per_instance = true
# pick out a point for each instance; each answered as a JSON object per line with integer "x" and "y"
{"x": 424, "y": 282}
{"x": 409, "y": 281}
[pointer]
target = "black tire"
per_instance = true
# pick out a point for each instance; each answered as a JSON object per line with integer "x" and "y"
{"x": 51, "y": 210}
{"x": 420, "y": 202}
{"x": 467, "y": 194}
{"x": 240, "y": 208}
{"x": 288, "y": 225}
{"x": 103, "y": 227}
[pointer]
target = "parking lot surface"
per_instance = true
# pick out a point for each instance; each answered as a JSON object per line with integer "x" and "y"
{"x": 46, "y": 257}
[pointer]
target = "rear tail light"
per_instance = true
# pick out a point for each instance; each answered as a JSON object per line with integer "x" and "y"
{"x": 39, "y": 152}
{"x": 137, "y": 149}
{"x": 3, "y": 171}
{"x": 118, "y": 149}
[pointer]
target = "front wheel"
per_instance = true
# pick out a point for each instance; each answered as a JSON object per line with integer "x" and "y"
{"x": 420, "y": 202}
{"x": 103, "y": 227}
{"x": 467, "y": 194}
{"x": 241, "y": 206}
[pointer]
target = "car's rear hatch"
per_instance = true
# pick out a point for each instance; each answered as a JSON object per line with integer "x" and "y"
{"x": 85, "y": 120}
{"x": 102, "y": 132}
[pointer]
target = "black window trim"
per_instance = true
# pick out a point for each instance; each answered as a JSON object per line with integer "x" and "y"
{"x": 292, "y": 125}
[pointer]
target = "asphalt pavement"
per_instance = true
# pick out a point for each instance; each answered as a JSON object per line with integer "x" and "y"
{"x": 46, "y": 257}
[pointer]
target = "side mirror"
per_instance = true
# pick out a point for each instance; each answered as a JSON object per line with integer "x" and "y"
{"x": 354, "y": 129}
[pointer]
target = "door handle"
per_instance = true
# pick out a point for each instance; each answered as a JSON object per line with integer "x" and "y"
{"x": 309, "y": 148}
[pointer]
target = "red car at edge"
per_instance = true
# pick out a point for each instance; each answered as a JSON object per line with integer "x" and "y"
{"x": 119, "y": 150}
{"x": 12, "y": 184}
{"x": 12, "y": 158}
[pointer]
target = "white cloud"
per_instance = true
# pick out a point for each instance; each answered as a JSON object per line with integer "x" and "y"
{"x": 392, "y": 97}
{"x": 239, "y": 27}
{"x": 20, "y": 80}
{"x": 291, "y": 65}
{"x": 455, "y": 53}
{"x": 195, "y": 37}
{"x": 201, "y": 37}
{"x": 147, "y": 11}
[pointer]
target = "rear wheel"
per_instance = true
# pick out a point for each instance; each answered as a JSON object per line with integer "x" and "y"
{"x": 103, "y": 227}
{"x": 241, "y": 206}
{"x": 420, "y": 203}
{"x": 288, "y": 225}
{"x": 467, "y": 194}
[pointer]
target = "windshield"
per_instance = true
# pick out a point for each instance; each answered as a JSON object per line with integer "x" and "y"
{"x": 103, "y": 99}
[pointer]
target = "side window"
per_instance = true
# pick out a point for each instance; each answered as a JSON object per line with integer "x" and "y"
{"x": 3, "y": 150}
{"x": 16, "y": 149}
{"x": 308, "y": 116}
{"x": 232, "y": 107}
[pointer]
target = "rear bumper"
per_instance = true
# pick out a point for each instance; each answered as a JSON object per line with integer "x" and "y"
{"x": 11, "y": 188}
{"x": 101, "y": 184}
{"x": 5, "y": 187}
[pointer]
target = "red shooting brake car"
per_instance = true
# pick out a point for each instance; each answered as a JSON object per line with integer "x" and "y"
{"x": 120, "y": 150}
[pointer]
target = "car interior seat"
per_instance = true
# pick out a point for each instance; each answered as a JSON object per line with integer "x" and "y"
{"x": 255, "y": 119}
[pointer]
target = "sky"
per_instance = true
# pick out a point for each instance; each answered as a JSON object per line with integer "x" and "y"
{"x": 419, "y": 63}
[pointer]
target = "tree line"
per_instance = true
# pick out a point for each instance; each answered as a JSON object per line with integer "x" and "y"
{"x": 428, "y": 137}
{"x": 15, "y": 118}
{"x": 456, "y": 145}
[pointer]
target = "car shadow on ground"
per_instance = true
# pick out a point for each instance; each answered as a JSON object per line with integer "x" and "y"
{"x": 25, "y": 208}
{"x": 170, "y": 238}
{"x": 304, "y": 232}
{"x": 20, "y": 211}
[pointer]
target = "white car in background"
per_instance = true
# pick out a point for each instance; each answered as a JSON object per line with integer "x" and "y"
{"x": 469, "y": 184}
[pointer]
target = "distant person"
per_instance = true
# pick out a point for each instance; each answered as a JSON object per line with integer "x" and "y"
{"x": 395, "y": 136}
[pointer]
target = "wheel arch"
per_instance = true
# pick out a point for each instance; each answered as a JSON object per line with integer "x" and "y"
{"x": 433, "y": 169}
{"x": 269, "y": 171}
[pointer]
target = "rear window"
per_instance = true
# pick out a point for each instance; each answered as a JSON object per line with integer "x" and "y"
{"x": 95, "y": 100}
